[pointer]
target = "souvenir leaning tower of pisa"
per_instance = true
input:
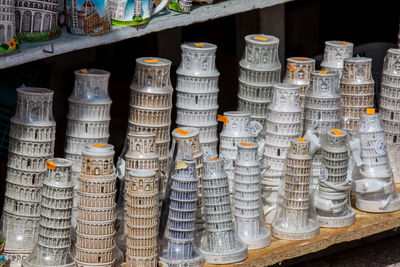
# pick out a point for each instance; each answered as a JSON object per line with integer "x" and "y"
{"x": 259, "y": 69}
{"x": 282, "y": 126}
{"x": 249, "y": 217}
{"x": 298, "y": 72}
{"x": 389, "y": 107}
{"x": 334, "y": 54}
{"x": 295, "y": 218}
{"x": 180, "y": 246}
{"x": 96, "y": 204}
{"x": 141, "y": 218}
{"x": 333, "y": 198}
{"x": 32, "y": 136}
{"x": 53, "y": 246}
{"x": 220, "y": 244}
{"x": 322, "y": 109}
{"x": 357, "y": 88}
{"x": 374, "y": 187}
{"x": 151, "y": 103}
{"x": 197, "y": 93}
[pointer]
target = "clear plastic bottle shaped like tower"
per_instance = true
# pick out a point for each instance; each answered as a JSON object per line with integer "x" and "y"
{"x": 247, "y": 205}
{"x": 389, "y": 107}
{"x": 180, "y": 247}
{"x": 282, "y": 126}
{"x": 259, "y": 69}
{"x": 334, "y": 55}
{"x": 298, "y": 72}
{"x": 357, "y": 89}
{"x": 220, "y": 244}
{"x": 333, "y": 199}
{"x": 295, "y": 218}
{"x": 322, "y": 109}
{"x": 141, "y": 218}
{"x": 96, "y": 204}
{"x": 374, "y": 187}
{"x": 151, "y": 103}
{"x": 53, "y": 246}
{"x": 32, "y": 136}
{"x": 197, "y": 93}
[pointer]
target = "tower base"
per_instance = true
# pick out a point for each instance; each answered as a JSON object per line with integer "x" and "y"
{"x": 197, "y": 261}
{"x": 337, "y": 222}
{"x": 226, "y": 257}
{"x": 286, "y": 234}
{"x": 377, "y": 206}
{"x": 263, "y": 241}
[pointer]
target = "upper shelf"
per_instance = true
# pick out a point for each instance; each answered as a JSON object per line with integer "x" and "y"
{"x": 67, "y": 42}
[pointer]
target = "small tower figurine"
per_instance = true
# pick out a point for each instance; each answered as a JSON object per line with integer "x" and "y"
{"x": 259, "y": 69}
{"x": 374, "y": 187}
{"x": 220, "y": 244}
{"x": 249, "y": 216}
{"x": 334, "y": 54}
{"x": 7, "y": 26}
{"x": 141, "y": 218}
{"x": 181, "y": 250}
{"x": 197, "y": 93}
{"x": 53, "y": 246}
{"x": 298, "y": 72}
{"x": 389, "y": 107}
{"x": 282, "y": 126}
{"x": 96, "y": 204}
{"x": 295, "y": 218}
{"x": 357, "y": 89}
{"x": 32, "y": 137}
{"x": 333, "y": 199}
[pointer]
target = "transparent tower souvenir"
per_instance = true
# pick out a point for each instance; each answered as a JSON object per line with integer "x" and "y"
{"x": 220, "y": 244}
{"x": 295, "y": 218}
{"x": 247, "y": 205}
{"x": 53, "y": 246}
{"x": 334, "y": 54}
{"x": 374, "y": 187}
{"x": 333, "y": 198}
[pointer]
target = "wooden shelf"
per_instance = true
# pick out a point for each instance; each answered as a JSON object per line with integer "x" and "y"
{"x": 367, "y": 224}
{"x": 167, "y": 20}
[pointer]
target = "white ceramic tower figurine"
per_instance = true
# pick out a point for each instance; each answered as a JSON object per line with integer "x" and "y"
{"x": 357, "y": 89}
{"x": 249, "y": 216}
{"x": 220, "y": 244}
{"x": 334, "y": 54}
{"x": 295, "y": 218}
{"x": 53, "y": 246}
{"x": 32, "y": 136}
{"x": 389, "y": 107}
{"x": 333, "y": 199}
{"x": 7, "y": 21}
{"x": 197, "y": 93}
{"x": 259, "y": 69}
{"x": 282, "y": 126}
{"x": 374, "y": 187}
{"x": 96, "y": 204}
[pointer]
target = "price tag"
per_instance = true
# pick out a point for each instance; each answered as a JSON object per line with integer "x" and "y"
{"x": 182, "y": 131}
{"x": 50, "y": 165}
{"x": 292, "y": 68}
{"x": 336, "y": 132}
{"x": 84, "y": 71}
{"x": 345, "y": 43}
{"x": 245, "y": 144}
{"x": 181, "y": 165}
{"x": 323, "y": 72}
{"x": 99, "y": 145}
{"x": 301, "y": 58}
{"x": 302, "y": 139}
{"x": 151, "y": 60}
{"x": 199, "y": 44}
{"x": 260, "y": 38}
{"x": 214, "y": 159}
{"x": 223, "y": 119}
{"x": 323, "y": 175}
{"x": 380, "y": 147}
{"x": 370, "y": 111}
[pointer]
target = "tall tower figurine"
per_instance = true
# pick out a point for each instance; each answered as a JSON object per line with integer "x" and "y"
{"x": 334, "y": 55}
{"x": 53, "y": 246}
{"x": 180, "y": 247}
{"x": 32, "y": 136}
{"x": 389, "y": 107}
{"x": 282, "y": 126}
{"x": 249, "y": 216}
{"x": 259, "y": 69}
{"x": 374, "y": 187}
{"x": 220, "y": 244}
{"x": 333, "y": 199}
{"x": 197, "y": 93}
{"x": 96, "y": 204}
{"x": 295, "y": 218}
{"x": 357, "y": 89}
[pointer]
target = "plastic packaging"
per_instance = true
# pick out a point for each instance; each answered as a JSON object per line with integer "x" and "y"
{"x": 248, "y": 212}
{"x": 295, "y": 218}
{"x": 220, "y": 244}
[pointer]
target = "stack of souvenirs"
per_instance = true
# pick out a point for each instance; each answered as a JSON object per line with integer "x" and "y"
{"x": 271, "y": 179}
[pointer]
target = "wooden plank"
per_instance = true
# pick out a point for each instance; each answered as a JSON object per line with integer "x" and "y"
{"x": 167, "y": 20}
{"x": 367, "y": 224}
